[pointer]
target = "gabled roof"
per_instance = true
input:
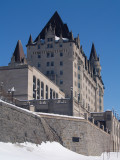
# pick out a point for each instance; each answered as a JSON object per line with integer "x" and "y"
{"x": 19, "y": 53}
{"x": 93, "y": 54}
{"x": 57, "y": 24}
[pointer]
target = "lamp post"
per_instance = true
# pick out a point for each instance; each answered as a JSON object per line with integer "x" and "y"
{"x": 12, "y": 90}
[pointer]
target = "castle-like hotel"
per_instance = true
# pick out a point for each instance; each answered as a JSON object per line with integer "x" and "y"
{"x": 57, "y": 77}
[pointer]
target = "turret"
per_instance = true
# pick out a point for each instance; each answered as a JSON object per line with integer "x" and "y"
{"x": 30, "y": 41}
{"x": 18, "y": 55}
{"x": 95, "y": 61}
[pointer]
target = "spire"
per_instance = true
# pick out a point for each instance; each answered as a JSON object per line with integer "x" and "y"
{"x": 18, "y": 54}
{"x": 93, "y": 54}
{"x": 30, "y": 40}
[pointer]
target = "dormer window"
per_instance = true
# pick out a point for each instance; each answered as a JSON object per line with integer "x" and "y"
{"x": 50, "y": 39}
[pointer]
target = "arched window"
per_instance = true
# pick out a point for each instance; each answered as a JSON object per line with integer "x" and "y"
{"x": 34, "y": 87}
{"x": 42, "y": 90}
{"x": 46, "y": 92}
{"x": 38, "y": 89}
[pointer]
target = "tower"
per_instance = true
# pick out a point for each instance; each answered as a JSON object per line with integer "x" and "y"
{"x": 18, "y": 55}
{"x": 59, "y": 56}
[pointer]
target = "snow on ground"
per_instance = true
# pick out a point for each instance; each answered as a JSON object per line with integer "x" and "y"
{"x": 45, "y": 151}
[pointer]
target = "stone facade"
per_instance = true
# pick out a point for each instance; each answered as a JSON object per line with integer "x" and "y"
{"x": 63, "y": 61}
{"x": 110, "y": 121}
{"x": 76, "y": 134}
{"x": 24, "y": 79}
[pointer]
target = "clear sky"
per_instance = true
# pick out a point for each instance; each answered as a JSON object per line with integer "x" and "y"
{"x": 95, "y": 21}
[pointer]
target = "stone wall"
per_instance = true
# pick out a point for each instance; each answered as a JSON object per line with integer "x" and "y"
{"x": 76, "y": 134}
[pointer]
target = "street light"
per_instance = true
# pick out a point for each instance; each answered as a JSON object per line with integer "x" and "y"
{"x": 12, "y": 90}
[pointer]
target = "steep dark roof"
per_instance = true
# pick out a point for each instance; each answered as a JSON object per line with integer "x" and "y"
{"x": 57, "y": 23}
{"x": 19, "y": 53}
{"x": 30, "y": 40}
{"x": 93, "y": 54}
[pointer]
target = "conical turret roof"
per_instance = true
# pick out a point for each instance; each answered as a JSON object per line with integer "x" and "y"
{"x": 93, "y": 54}
{"x": 19, "y": 53}
{"x": 57, "y": 24}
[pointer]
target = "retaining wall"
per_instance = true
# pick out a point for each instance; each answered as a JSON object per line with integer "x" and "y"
{"x": 79, "y": 135}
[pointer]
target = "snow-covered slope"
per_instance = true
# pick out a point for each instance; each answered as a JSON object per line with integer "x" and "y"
{"x": 45, "y": 151}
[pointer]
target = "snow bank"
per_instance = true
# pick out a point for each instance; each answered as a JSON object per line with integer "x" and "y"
{"x": 45, "y": 151}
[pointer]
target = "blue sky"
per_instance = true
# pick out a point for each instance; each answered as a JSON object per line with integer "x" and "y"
{"x": 95, "y": 21}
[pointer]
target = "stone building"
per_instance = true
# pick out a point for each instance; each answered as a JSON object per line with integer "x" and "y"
{"x": 29, "y": 82}
{"x": 59, "y": 56}
{"x": 57, "y": 77}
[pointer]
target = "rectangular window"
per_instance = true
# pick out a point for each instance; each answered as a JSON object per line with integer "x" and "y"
{"x": 39, "y": 56}
{"x": 52, "y": 54}
{"x": 48, "y": 63}
{"x": 78, "y": 76}
{"x": 49, "y": 39}
{"x": 61, "y": 72}
{"x": 61, "y": 63}
{"x": 49, "y": 45}
{"x": 61, "y": 81}
{"x": 78, "y": 67}
{"x": 75, "y": 139}
{"x": 78, "y": 85}
{"x": 38, "y": 65}
{"x": 48, "y": 55}
{"x": 60, "y": 45}
{"x": 61, "y": 54}
{"x": 47, "y": 72}
{"x": 52, "y": 72}
{"x": 56, "y": 95}
{"x": 52, "y": 63}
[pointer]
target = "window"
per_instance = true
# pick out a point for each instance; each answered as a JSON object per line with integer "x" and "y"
{"x": 61, "y": 63}
{"x": 52, "y": 72}
{"x": 52, "y": 63}
{"x": 60, "y": 45}
{"x": 75, "y": 139}
{"x": 46, "y": 92}
{"x": 78, "y": 85}
{"x": 38, "y": 46}
{"x": 38, "y": 65}
{"x": 48, "y": 63}
{"x": 47, "y": 72}
{"x": 61, "y": 72}
{"x": 49, "y": 39}
{"x": 61, "y": 81}
{"x": 39, "y": 56}
{"x": 56, "y": 95}
{"x": 49, "y": 46}
{"x": 42, "y": 90}
{"x": 51, "y": 93}
{"x": 52, "y": 54}
{"x": 78, "y": 76}
{"x": 38, "y": 89}
{"x": 78, "y": 67}
{"x": 48, "y": 55}
{"x": 34, "y": 87}
{"x": 61, "y": 54}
